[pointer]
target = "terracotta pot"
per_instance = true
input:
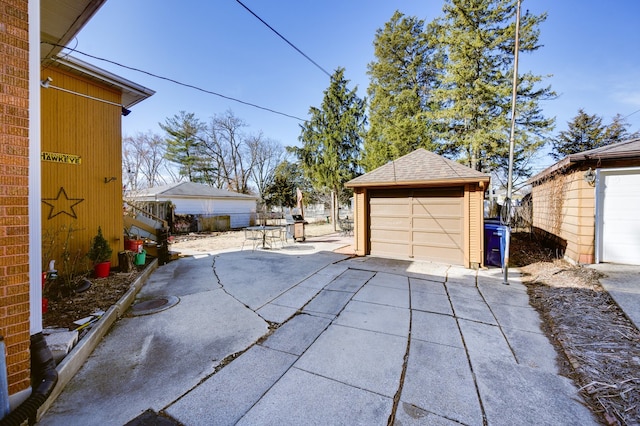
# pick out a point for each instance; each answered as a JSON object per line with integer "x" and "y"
{"x": 133, "y": 245}
{"x": 101, "y": 270}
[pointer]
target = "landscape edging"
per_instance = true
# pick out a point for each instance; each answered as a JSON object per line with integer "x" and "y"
{"x": 79, "y": 354}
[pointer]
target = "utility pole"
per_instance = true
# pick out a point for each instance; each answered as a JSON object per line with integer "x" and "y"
{"x": 506, "y": 215}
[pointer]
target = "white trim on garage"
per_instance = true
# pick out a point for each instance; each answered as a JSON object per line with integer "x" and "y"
{"x": 617, "y": 233}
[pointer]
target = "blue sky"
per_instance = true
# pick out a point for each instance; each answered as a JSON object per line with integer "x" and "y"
{"x": 590, "y": 50}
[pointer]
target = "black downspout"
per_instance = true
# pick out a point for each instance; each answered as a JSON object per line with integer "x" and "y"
{"x": 43, "y": 378}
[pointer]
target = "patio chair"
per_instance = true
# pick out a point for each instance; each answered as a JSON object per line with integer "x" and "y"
{"x": 278, "y": 235}
{"x": 346, "y": 227}
{"x": 253, "y": 236}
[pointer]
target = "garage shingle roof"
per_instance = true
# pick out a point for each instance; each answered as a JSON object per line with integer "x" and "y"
{"x": 189, "y": 189}
{"x": 419, "y": 166}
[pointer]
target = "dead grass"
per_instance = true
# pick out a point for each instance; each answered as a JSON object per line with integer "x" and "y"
{"x": 599, "y": 346}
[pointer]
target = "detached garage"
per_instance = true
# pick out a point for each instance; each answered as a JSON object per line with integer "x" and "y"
{"x": 588, "y": 203}
{"x": 421, "y": 206}
{"x": 203, "y": 202}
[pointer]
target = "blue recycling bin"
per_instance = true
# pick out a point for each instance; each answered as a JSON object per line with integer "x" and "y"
{"x": 495, "y": 242}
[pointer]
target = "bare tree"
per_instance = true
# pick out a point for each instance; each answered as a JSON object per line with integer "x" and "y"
{"x": 143, "y": 161}
{"x": 267, "y": 154}
{"x": 230, "y": 152}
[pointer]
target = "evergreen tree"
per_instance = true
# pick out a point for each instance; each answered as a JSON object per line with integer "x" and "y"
{"x": 183, "y": 143}
{"x": 281, "y": 191}
{"x": 331, "y": 138}
{"x": 474, "y": 95}
{"x": 618, "y": 130}
{"x": 587, "y": 132}
{"x": 402, "y": 77}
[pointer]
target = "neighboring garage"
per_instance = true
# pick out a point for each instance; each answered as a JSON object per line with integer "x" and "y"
{"x": 618, "y": 197}
{"x": 421, "y": 206}
{"x": 588, "y": 203}
{"x": 206, "y": 203}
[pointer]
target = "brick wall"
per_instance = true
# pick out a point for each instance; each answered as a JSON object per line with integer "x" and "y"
{"x": 14, "y": 188}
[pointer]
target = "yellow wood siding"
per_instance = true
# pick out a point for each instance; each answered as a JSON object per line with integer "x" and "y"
{"x": 564, "y": 206}
{"x": 92, "y": 190}
{"x": 361, "y": 223}
{"x": 475, "y": 228}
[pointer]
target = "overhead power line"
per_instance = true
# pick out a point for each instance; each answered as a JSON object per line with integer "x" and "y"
{"x": 629, "y": 115}
{"x": 284, "y": 38}
{"x": 180, "y": 83}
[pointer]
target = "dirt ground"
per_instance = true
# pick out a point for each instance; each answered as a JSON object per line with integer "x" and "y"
{"x": 598, "y": 347}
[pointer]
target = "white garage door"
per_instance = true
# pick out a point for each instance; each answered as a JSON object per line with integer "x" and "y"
{"x": 619, "y": 208}
{"x": 418, "y": 224}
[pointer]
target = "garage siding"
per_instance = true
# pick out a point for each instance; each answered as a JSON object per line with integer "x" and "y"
{"x": 424, "y": 224}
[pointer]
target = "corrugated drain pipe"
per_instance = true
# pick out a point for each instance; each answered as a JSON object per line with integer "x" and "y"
{"x": 44, "y": 379}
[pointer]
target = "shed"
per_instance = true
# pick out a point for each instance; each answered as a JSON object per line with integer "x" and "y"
{"x": 421, "y": 206}
{"x": 587, "y": 204}
{"x": 203, "y": 201}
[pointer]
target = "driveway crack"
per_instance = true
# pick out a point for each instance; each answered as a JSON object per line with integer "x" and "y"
{"x": 396, "y": 398}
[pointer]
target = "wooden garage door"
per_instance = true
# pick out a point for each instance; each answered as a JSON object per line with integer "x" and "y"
{"x": 419, "y": 224}
{"x": 620, "y": 229}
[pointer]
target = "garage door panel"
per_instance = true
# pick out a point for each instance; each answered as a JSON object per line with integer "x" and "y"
{"x": 391, "y": 235}
{"x": 390, "y": 209}
{"x": 422, "y": 224}
{"x": 436, "y": 239}
{"x": 451, "y": 224}
{"x": 436, "y": 210}
{"x": 438, "y": 193}
{"x": 439, "y": 254}
{"x": 390, "y": 222}
{"x": 389, "y": 249}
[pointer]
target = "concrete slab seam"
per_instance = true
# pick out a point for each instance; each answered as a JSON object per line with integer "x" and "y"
{"x": 284, "y": 291}
{"x": 484, "y": 300}
{"x": 405, "y": 363}
{"x": 419, "y": 412}
{"x": 337, "y": 381}
{"x": 468, "y": 356}
{"x": 336, "y": 291}
{"x": 513, "y": 352}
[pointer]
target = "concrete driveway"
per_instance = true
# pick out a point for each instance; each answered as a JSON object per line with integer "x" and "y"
{"x": 305, "y": 335}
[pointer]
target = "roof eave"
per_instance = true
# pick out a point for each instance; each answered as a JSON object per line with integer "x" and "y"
{"x": 61, "y": 22}
{"x": 431, "y": 182}
{"x": 576, "y": 159}
{"x": 132, "y": 93}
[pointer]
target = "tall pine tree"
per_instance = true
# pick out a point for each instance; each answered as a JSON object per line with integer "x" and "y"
{"x": 402, "y": 77}
{"x": 332, "y": 138}
{"x": 474, "y": 96}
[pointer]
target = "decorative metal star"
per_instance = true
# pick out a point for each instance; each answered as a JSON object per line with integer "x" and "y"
{"x": 62, "y": 204}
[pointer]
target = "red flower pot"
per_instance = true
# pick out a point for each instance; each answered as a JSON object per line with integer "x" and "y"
{"x": 133, "y": 245}
{"x": 101, "y": 270}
